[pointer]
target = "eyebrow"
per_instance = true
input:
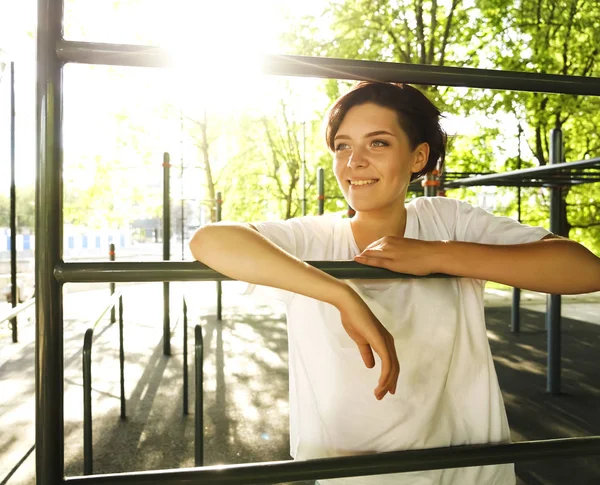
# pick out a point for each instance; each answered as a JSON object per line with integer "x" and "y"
{"x": 368, "y": 135}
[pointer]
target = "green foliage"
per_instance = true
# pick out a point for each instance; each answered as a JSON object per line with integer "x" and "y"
{"x": 25, "y": 210}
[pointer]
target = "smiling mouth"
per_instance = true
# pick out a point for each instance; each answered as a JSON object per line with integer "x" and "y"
{"x": 355, "y": 183}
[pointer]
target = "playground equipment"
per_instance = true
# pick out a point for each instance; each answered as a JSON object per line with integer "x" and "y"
{"x": 51, "y": 272}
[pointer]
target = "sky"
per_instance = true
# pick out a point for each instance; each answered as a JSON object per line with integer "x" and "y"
{"x": 241, "y": 30}
{"x": 213, "y": 41}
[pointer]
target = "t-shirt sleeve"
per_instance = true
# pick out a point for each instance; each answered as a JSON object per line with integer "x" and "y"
{"x": 474, "y": 224}
{"x": 287, "y": 235}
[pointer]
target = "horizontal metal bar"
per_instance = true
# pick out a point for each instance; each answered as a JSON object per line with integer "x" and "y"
{"x": 16, "y": 310}
{"x": 349, "y": 466}
{"x": 122, "y": 272}
{"x": 113, "y": 54}
{"x": 352, "y": 69}
{"x": 535, "y": 175}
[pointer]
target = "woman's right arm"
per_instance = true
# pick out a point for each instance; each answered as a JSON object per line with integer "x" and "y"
{"x": 242, "y": 253}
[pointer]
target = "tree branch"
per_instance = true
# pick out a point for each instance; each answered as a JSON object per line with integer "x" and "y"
{"x": 421, "y": 31}
{"x": 433, "y": 28}
{"x": 447, "y": 31}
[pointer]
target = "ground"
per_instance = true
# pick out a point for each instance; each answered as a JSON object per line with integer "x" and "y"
{"x": 245, "y": 386}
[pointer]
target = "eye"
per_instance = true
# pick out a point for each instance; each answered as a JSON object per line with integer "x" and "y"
{"x": 341, "y": 146}
{"x": 379, "y": 143}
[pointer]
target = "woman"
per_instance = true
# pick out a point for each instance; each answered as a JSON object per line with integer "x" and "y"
{"x": 436, "y": 371}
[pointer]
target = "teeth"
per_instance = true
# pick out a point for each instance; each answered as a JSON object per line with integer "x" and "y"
{"x": 362, "y": 182}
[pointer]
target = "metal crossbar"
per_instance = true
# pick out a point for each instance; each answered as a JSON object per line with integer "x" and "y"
{"x": 351, "y": 69}
{"x": 349, "y": 466}
{"x": 122, "y": 272}
{"x": 564, "y": 174}
{"x": 52, "y": 52}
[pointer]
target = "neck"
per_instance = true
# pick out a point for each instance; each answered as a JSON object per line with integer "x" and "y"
{"x": 373, "y": 225}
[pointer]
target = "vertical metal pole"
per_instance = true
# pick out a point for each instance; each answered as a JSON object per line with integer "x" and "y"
{"x": 199, "y": 428}
{"x": 111, "y": 257}
{"x": 88, "y": 453}
{"x": 122, "y": 359}
{"x": 166, "y": 251}
{"x": 515, "y": 320}
{"x": 430, "y": 184}
{"x": 49, "y": 352}
{"x": 219, "y": 285}
{"x": 553, "y": 302}
{"x": 182, "y": 204}
{"x": 185, "y": 360}
{"x": 321, "y": 188}
{"x": 14, "y": 294}
{"x": 303, "y": 168}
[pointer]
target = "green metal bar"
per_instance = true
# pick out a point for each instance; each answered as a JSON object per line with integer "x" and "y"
{"x": 122, "y": 358}
{"x": 362, "y": 465}
{"x": 49, "y": 352}
{"x": 16, "y": 310}
{"x": 111, "y": 257}
{"x": 123, "y": 272}
{"x": 328, "y": 68}
{"x": 88, "y": 459}
{"x": 219, "y": 285}
{"x": 553, "y": 306}
{"x": 185, "y": 360}
{"x": 14, "y": 294}
{"x": 515, "y": 314}
{"x": 166, "y": 252}
{"x": 199, "y": 409}
{"x": 520, "y": 175}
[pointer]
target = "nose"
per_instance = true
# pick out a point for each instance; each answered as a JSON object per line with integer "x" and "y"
{"x": 357, "y": 158}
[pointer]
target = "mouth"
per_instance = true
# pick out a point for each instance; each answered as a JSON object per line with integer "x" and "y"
{"x": 362, "y": 183}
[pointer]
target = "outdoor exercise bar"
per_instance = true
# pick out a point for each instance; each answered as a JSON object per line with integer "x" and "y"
{"x": 166, "y": 240}
{"x": 347, "y": 466}
{"x": 88, "y": 456}
{"x": 52, "y": 53}
{"x": 329, "y": 68}
{"x": 125, "y": 271}
{"x": 569, "y": 173}
{"x": 14, "y": 294}
{"x": 219, "y": 209}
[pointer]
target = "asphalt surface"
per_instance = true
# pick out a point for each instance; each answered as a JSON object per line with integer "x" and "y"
{"x": 245, "y": 386}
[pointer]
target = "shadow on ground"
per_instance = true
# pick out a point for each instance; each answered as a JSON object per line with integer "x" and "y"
{"x": 520, "y": 361}
{"x": 246, "y": 396}
{"x": 245, "y": 401}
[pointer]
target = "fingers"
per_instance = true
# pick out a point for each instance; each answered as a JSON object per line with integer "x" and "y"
{"x": 390, "y": 369}
{"x": 367, "y": 355}
{"x": 372, "y": 261}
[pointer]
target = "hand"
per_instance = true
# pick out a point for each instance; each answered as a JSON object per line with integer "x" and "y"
{"x": 402, "y": 255}
{"x": 370, "y": 335}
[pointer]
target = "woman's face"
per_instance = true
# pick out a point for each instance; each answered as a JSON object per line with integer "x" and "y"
{"x": 373, "y": 158}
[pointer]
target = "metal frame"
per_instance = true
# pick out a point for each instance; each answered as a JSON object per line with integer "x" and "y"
{"x": 116, "y": 300}
{"x": 53, "y": 51}
{"x": 552, "y": 175}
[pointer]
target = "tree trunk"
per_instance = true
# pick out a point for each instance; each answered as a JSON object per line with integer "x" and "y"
{"x": 210, "y": 185}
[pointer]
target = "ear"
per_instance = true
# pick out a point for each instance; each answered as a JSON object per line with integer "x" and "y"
{"x": 421, "y": 155}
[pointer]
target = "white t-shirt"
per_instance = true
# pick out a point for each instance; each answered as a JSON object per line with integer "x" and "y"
{"x": 447, "y": 393}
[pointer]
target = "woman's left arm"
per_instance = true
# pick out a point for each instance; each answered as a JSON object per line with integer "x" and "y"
{"x": 551, "y": 265}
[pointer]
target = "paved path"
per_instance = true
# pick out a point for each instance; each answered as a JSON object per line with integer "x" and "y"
{"x": 246, "y": 406}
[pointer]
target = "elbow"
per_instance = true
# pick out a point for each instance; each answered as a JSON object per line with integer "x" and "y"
{"x": 201, "y": 242}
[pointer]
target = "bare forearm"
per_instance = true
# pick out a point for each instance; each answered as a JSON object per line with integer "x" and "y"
{"x": 555, "y": 266}
{"x": 243, "y": 254}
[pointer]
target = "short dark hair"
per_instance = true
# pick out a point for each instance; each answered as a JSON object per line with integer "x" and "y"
{"x": 417, "y": 116}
